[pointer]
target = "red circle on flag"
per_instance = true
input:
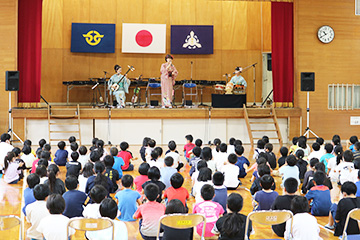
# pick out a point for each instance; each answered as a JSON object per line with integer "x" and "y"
{"x": 144, "y": 38}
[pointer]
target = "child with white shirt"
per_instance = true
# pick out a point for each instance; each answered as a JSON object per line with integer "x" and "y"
{"x": 173, "y": 153}
{"x": 37, "y": 210}
{"x": 302, "y": 220}
{"x": 346, "y": 168}
{"x": 231, "y": 173}
{"x": 221, "y": 157}
{"x": 149, "y": 149}
{"x": 97, "y": 194}
{"x": 54, "y": 226}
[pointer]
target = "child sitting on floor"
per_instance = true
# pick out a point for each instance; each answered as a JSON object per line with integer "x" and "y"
{"x": 75, "y": 200}
{"x": 176, "y": 191}
{"x": 211, "y": 210}
{"x": 37, "y": 211}
{"x": 143, "y": 177}
{"x": 232, "y": 224}
{"x": 97, "y": 194}
{"x": 220, "y": 189}
{"x": 264, "y": 198}
{"x": 304, "y": 226}
{"x": 150, "y": 212}
{"x": 127, "y": 199}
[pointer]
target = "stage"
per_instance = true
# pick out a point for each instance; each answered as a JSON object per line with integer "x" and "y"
{"x": 133, "y": 124}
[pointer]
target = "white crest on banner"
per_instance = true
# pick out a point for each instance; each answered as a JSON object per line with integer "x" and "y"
{"x": 192, "y": 41}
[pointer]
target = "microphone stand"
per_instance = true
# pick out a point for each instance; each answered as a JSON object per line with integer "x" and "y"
{"x": 254, "y": 75}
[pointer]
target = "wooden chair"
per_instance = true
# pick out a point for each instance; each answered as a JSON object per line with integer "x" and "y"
{"x": 9, "y": 221}
{"x": 182, "y": 221}
{"x": 354, "y": 214}
{"x": 268, "y": 218}
{"x": 90, "y": 224}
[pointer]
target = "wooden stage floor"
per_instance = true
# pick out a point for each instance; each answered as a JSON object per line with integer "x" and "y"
{"x": 11, "y": 201}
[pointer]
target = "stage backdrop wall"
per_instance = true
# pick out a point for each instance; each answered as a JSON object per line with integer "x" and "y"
{"x": 241, "y": 32}
{"x": 8, "y": 55}
{"x": 337, "y": 62}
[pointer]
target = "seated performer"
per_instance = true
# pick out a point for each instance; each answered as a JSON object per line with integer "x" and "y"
{"x": 238, "y": 79}
{"x": 168, "y": 75}
{"x": 119, "y": 86}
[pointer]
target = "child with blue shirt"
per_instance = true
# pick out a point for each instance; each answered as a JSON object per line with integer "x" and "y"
{"x": 167, "y": 171}
{"x": 325, "y": 158}
{"x": 196, "y": 151}
{"x": 242, "y": 162}
{"x": 220, "y": 189}
{"x": 264, "y": 198}
{"x": 319, "y": 195}
{"x": 32, "y": 180}
{"x": 61, "y": 154}
{"x": 75, "y": 200}
{"x": 127, "y": 199}
{"x": 353, "y": 140}
{"x": 118, "y": 161}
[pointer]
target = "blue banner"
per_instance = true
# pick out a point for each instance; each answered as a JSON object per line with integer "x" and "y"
{"x": 95, "y": 38}
{"x": 192, "y": 39}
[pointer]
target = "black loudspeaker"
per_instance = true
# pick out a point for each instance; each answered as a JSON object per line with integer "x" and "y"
{"x": 307, "y": 81}
{"x": 12, "y": 81}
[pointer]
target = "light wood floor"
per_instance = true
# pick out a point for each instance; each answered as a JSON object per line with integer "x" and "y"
{"x": 11, "y": 201}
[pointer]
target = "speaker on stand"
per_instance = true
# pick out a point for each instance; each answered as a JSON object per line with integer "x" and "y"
{"x": 308, "y": 85}
{"x": 12, "y": 84}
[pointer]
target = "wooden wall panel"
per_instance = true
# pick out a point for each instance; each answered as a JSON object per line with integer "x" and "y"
{"x": 266, "y": 26}
{"x": 8, "y": 55}
{"x": 237, "y": 40}
{"x": 337, "y": 62}
{"x": 52, "y": 19}
{"x": 234, "y": 25}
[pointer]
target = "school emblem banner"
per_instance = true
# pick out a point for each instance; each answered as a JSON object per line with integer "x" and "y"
{"x": 192, "y": 39}
{"x": 94, "y": 38}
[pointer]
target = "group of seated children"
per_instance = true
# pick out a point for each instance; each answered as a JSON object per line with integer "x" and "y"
{"x": 158, "y": 190}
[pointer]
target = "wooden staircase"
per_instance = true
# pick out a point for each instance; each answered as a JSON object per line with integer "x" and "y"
{"x": 260, "y": 120}
{"x": 63, "y": 122}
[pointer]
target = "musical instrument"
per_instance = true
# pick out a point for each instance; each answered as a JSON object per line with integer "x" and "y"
{"x": 229, "y": 88}
{"x": 219, "y": 87}
{"x": 114, "y": 87}
{"x": 136, "y": 97}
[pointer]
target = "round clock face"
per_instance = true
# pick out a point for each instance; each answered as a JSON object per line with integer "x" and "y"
{"x": 326, "y": 34}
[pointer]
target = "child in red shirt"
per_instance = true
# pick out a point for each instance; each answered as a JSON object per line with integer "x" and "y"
{"x": 140, "y": 180}
{"x": 126, "y": 156}
{"x": 189, "y": 146}
{"x": 150, "y": 212}
{"x": 176, "y": 191}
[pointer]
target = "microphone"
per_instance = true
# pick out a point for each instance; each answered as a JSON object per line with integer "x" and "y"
{"x": 105, "y": 72}
{"x": 191, "y": 62}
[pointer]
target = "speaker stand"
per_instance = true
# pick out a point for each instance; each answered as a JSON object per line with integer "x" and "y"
{"x": 10, "y": 131}
{"x": 308, "y": 130}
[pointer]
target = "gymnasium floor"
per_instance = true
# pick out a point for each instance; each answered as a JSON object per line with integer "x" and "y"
{"x": 11, "y": 200}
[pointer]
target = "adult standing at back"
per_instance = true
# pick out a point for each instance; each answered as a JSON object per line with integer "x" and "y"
{"x": 168, "y": 75}
{"x": 5, "y": 147}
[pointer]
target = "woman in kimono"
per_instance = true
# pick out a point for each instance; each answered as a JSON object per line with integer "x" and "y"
{"x": 119, "y": 86}
{"x": 168, "y": 75}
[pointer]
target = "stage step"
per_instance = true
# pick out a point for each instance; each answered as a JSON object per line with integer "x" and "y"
{"x": 261, "y": 122}
{"x": 66, "y": 114}
{"x": 270, "y": 115}
{"x": 64, "y": 131}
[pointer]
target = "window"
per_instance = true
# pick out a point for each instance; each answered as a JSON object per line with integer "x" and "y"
{"x": 343, "y": 96}
{"x": 357, "y": 7}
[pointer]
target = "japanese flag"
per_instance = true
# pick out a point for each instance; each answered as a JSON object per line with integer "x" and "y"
{"x": 143, "y": 38}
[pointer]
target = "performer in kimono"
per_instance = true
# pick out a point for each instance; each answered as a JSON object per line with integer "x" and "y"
{"x": 238, "y": 79}
{"x": 119, "y": 86}
{"x": 168, "y": 75}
